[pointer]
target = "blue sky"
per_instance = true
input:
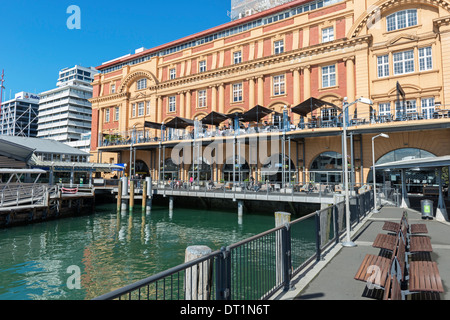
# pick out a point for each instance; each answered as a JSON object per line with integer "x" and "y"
{"x": 36, "y": 42}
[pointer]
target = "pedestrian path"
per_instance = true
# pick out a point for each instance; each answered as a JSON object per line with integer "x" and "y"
{"x": 333, "y": 277}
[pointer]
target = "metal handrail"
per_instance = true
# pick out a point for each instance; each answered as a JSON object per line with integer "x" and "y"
{"x": 225, "y": 272}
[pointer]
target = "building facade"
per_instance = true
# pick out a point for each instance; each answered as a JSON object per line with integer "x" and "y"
{"x": 19, "y": 115}
{"x": 65, "y": 112}
{"x": 395, "y": 53}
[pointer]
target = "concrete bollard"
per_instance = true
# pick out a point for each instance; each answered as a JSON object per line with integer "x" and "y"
{"x": 281, "y": 219}
{"x": 240, "y": 208}
{"x": 198, "y": 278}
{"x": 170, "y": 203}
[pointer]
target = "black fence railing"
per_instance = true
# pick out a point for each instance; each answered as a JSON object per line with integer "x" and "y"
{"x": 255, "y": 268}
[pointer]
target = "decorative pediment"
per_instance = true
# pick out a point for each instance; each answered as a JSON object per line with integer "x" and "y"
{"x": 402, "y": 38}
{"x": 136, "y": 75}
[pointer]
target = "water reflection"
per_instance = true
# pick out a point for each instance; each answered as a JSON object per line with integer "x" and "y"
{"x": 112, "y": 249}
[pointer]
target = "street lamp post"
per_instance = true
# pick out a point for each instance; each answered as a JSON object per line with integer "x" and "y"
{"x": 375, "y": 209}
{"x": 348, "y": 242}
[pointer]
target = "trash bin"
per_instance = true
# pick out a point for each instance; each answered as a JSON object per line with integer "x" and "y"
{"x": 427, "y": 209}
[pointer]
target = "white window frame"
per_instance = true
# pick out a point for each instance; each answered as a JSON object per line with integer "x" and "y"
{"x": 172, "y": 73}
{"x": 237, "y": 57}
{"x": 403, "y": 62}
{"x": 141, "y": 109}
{"x": 428, "y": 107}
{"x": 113, "y": 88}
{"x": 201, "y": 99}
{"x": 411, "y": 106}
{"x": 328, "y": 34}
{"x": 116, "y": 114}
{"x": 133, "y": 110}
{"x": 329, "y": 76}
{"x": 107, "y": 115}
{"x": 401, "y": 19}
{"x": 141, "y": 84}
{"x": 202, "y": 66}
{"x": 279, "y": 85}
{"x": 425, "y": 59}
{"x": 148, "y": 107}
{"x": 278, "y": 47}
{"x": 384, "y": 109}
{"x": 383, "y": 66}
{"x": 172, "y": 104}
{"x": 237, "y": 92}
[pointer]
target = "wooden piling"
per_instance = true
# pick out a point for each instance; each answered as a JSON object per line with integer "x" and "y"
{"x": 144, "y": 196}
{"x": 119, "y": 196}
{"x": 198, "y": 277}
{"x": 131, "y": 195}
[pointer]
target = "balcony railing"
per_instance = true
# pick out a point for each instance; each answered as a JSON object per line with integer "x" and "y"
{"x": 137, "y": 136}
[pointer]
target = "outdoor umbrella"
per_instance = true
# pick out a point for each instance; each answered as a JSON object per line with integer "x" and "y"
{"x": 180, "y": 123}
{"x": 256, "y": 114}
{"x": 152, "y": 125}
{"x": 215, "y": 118}
{"x": 310, "y": 105}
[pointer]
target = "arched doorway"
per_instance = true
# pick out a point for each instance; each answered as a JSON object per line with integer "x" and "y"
{"x": 141, "y": 169}
{"x": 415, "y": 178}
{"x": 241, "y": 170}
{"x": 327, "y": 168}
{"x": 274, "y": 169}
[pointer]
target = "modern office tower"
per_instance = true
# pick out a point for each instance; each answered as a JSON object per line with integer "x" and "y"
{"x": 19, "y": 115}
{"x": 65, "y": 112}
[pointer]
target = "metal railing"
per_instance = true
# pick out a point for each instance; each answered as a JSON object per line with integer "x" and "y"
{"x": 16, "y": 194}
{"x": 138, "y": 136}
{"x": 255, "y": 268}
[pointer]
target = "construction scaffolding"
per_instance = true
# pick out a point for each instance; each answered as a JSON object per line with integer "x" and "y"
{"x": 245, "y": 8}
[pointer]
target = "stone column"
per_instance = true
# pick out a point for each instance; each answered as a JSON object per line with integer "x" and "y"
{"x": 188, "y": 104}
{"x": 222, "y": 98}
{"x": 306, "y": 82}
{"x": 159, "y": 112}
{"x": 350, "y": 69}
{"x": 261, "y": 90}
{"x": 251, "y": 84}
{"x": 182, "y": 104}
{"x": 213, "y": 98}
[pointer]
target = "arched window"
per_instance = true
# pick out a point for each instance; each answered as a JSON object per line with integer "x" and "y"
{"x": 415, "y": 178}
{"x": 327, "y": 168}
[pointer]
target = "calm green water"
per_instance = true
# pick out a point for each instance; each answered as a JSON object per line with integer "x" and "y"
{"x": 110, "y": 249}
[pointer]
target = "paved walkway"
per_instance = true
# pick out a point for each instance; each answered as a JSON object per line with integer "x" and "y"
{"x": 333, "y": 277}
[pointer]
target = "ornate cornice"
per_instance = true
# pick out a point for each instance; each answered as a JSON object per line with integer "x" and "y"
{"x": 111, "y": 97}
{"x": 266, "y": 61}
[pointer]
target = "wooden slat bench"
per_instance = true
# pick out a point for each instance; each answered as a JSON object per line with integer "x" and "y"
{"x": 385, "y": 241}
{"x": 391, "y": 226}
{"x": 418, "y": 228}
{"x": 424, "y": 277}
{"x": 420, "y": 244}
{"x": 393, "y": 290}
{"x": 372, "y": 264}
{"x": 406, "y": 272}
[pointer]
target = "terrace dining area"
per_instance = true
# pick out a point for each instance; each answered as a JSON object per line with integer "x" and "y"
{"x": 312, "y": 114}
